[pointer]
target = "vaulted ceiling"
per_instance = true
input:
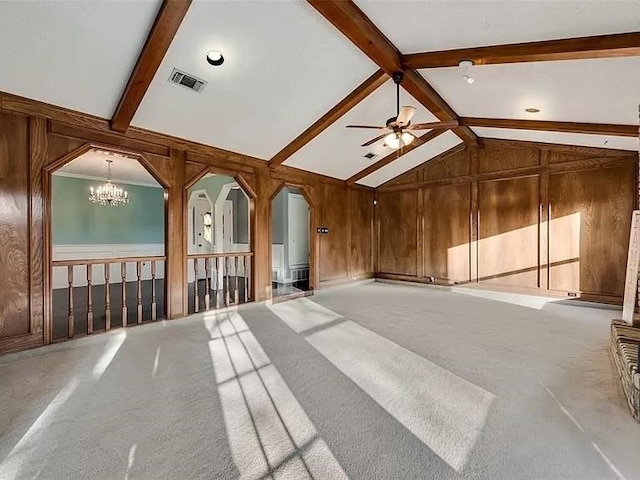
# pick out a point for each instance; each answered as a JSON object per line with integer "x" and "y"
{"x": 288, "y": 63}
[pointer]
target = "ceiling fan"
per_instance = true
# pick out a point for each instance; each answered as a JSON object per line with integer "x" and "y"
{"x": 398, "y": 131}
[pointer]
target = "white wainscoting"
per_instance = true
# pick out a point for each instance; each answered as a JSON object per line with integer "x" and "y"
{"x": 279, "y": 272}
{"x": 105, "y": 251}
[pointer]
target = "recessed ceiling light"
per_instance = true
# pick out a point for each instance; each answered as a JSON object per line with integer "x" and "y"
{"x": 215, "y": 58}
{"x": 532, "y": 110}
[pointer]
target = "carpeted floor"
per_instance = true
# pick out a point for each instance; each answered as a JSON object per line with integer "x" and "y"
{"x": 374, "y": 381}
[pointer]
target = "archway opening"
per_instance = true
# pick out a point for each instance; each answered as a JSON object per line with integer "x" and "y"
{"x": 218, "y": 243}
{"x": 290, "y": 243}
{"x": 107, "y": 234}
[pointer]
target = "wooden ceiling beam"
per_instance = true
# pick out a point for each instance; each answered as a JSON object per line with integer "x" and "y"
{"x": 393, "y": 156}
{"x": 360, "y": 93}
{"x": 357, "y": 27}
{"x": 581, "y": 48}
{"x": 552, "y": 126}
{"x": 164, "y": 29}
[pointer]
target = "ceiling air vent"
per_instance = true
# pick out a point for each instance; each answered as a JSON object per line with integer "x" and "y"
{"x": 188, "y": 81}
{"x": 370, "y": 155}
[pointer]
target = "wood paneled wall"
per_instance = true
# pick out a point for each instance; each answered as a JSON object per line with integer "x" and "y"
{"x": 36, "y": 137}
{"x": 518, "y": 214}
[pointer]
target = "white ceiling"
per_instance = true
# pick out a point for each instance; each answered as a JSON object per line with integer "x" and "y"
{"x": 337, "y": 151}
{"x": 595, "y": 91}
{"x": 621, "y": 143}
{"x": 447, "y": 24}
{"x": 92, "y": 165}
{"x": 285, "y": 66}
{"x": 76, "y": 54}
{"x": 435, "y": 147}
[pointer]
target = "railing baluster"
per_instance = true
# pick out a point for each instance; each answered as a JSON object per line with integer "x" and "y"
{"x": 227, "y": 298}
{"x": 89, "y": 300}
{"x": 123, "y": 273}
{"x": 153, "y": 291}
{"x": 70, "y": 306}
{"x": 236, "y": 296}
{"x": 139, "y": 290}
{"x": 246, "y": 278}
{"x": 196, "y": 298}
{"x": 107, "y": 298}
{"x": 207, "y": 284}
{"x": 217, "y": 290}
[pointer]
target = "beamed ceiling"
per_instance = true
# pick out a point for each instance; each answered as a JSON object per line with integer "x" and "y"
{"x": 296, "y": 73}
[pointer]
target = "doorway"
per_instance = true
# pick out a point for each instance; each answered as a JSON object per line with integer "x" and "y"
{"x": 218, "y": 243}
{"x": 290, "y": 243}
{"x": 107, "y": 243}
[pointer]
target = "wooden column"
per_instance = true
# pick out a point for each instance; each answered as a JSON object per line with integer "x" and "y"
{"x": 175, "y": 246}
{"x": 262, "y": 237}
{"x": 38, "y": 157}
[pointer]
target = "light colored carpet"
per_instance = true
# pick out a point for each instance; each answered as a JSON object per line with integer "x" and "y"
{"x": 370, "y": 382}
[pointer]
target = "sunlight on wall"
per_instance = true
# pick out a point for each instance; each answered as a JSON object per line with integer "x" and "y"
{"x": 23, "y": 452}
{"x": 511, "y": 258}
{"x": 268, "y": 431}
{"x": 446, "y": 412}
{"x": 564, "y": 246}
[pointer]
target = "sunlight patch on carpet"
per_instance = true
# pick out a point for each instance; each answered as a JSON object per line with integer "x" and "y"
{"x": 269, "y": 433}
{"x": 446, "y": 412}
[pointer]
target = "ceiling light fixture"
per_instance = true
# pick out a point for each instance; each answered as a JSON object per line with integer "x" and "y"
{"x": 393, "y": 139}
{"x": 108, "y": 193}
{"x": 466, "y": 65}
{"x": 532, "y": 110}
{"x": 215, "y": 58}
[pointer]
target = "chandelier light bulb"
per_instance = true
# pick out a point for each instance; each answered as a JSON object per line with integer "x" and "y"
{"x": 108, "y": 193}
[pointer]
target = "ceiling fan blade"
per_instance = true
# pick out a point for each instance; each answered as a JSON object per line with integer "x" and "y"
{"x": 433, "y": 125}
{"x": 405, "y": 115}
{"x": 365, "y": 126}
{"x": 373, "y": 140}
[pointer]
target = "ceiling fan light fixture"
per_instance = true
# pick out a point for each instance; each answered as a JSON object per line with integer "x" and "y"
{"x": 392, "y": 140}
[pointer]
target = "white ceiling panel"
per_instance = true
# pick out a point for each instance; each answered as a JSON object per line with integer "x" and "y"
{"x": 337, "y": 152}
{"x": 414, "y": 158}
{"x": 93, "y": 165}
{"x": 447, "y": 24}
{"x": 596, "y": 91}
{"x": 76, "y": 54}
{"x": 285, "y": 66}
{"x": 601, "y": 141}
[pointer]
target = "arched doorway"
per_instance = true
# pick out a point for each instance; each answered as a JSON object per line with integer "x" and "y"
{"x": 219, "y": 242}
{"x": 291, "y": 243}
{"x": 106, "y": 242}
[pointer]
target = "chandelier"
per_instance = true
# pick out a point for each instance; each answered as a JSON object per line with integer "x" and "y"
{"x": 108, "y": 193}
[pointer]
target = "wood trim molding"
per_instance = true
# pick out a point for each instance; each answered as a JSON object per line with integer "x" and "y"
{"x": 164, "y": 29}
{"x": 552, "y": 126}
{"x": 363, "y": 33}
{"x": 365, "y": 89}
{"x": 393, "y": 156}
{"x": 602, "y": 46}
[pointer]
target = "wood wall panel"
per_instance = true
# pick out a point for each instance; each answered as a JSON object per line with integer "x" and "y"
{"x": 397, "y": 217}
{"x": 35, "y": 137}
{"x": 455, "y": 165}
{"x": 333, "y": 203}
{"x": 508, "y": 231}
{"x": 589, "y": 229}
{"x": 14, "y": 225}
{"x": 361, "y": 208}
{"x": 499, "y": 157}
{"x": 447, "y": 232}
